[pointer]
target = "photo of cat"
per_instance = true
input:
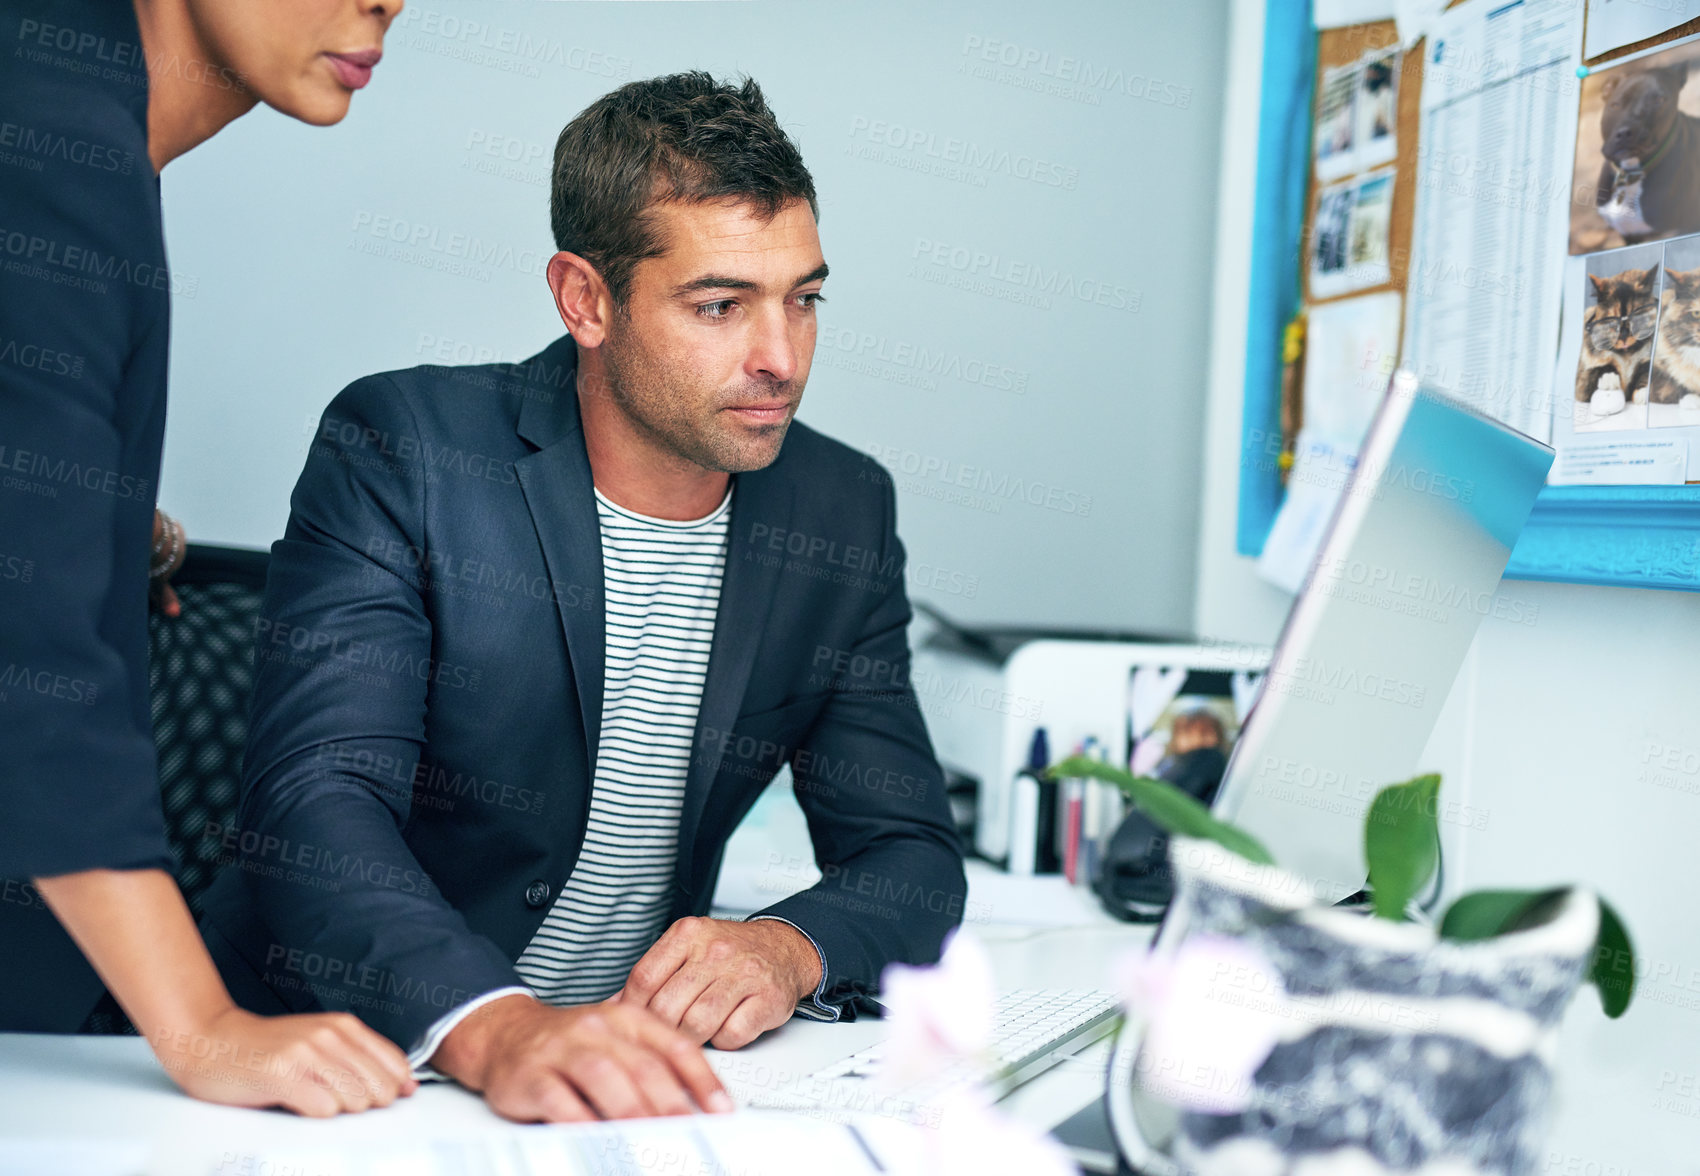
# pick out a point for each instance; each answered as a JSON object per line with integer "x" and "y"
{"x": 1619, "y": 325}
{"x": 1674, "y": 398}
{"x": 1676, "y": 372}
{"x": 1617, "y": 333}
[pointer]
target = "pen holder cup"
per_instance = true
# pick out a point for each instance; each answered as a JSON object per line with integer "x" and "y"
{"x": 1395, "y": 1051}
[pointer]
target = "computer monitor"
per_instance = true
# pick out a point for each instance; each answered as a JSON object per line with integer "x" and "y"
{"x": 1407, "y": 570}
{"x": 1409, "y": 565}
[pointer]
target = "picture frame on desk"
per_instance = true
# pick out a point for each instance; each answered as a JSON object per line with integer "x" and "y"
{"x": 1619, "y": 536}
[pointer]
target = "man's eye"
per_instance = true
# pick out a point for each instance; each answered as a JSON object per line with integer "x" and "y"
{"x": 717, "y": 310}
{"x": 810, "y": 301}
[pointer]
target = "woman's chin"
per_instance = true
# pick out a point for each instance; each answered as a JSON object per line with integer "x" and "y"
{"x": 319, "y": 105}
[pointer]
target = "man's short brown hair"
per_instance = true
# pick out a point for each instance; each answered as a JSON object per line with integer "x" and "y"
{"x": 683, "y": 137}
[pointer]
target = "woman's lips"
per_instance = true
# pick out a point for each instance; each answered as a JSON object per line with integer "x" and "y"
{"x": 354, "y": 70}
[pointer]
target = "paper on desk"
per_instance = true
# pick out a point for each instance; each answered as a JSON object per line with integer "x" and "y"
{"x": 748, "y": 1143}
{"x": 74, "y": 1158}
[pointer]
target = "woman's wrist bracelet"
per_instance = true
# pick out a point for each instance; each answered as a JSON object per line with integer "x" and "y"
{"x": 170, "y": 543}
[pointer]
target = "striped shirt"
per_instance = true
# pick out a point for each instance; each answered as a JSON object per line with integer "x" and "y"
{"x": 661, "y": 583}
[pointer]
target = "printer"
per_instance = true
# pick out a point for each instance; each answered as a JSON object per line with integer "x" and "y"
{"x": 984, "y": 694}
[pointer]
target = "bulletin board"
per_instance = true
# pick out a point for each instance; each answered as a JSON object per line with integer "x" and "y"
{"x": 1609, "y": 534}
{"x": 1336, "y": 47}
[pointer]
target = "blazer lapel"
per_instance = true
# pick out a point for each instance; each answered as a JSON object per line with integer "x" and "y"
{"x": 761, "y": 503}
{"x": 561, "y": 497}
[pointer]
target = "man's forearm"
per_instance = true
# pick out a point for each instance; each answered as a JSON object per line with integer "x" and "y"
{"x": 388, "y": 927}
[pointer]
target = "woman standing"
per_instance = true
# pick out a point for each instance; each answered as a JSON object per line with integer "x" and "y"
{"x": 96, "y": 96}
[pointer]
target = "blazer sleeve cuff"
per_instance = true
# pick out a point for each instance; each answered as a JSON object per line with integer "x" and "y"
{"x": 420, "y": 1055}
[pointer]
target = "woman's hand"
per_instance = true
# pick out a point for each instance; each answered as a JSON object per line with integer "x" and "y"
{"x": 135, "y": 928}
{"x": 317, "y": 1064}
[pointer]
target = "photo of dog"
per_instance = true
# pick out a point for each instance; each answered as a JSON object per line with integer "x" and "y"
{"x": 1377, "y": 107}
{"x": 1336, "y": 120}
{"x": 1638, "y": 153}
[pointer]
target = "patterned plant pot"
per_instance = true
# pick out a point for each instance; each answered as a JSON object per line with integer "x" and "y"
{"x": 1396, "y": 1052}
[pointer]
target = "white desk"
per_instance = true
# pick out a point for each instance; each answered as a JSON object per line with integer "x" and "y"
{"x": 92, "y": 1088}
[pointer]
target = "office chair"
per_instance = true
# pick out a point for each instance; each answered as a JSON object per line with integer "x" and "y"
{"x": 200, "y": 676}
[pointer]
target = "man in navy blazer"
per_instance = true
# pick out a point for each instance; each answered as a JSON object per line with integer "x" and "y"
{"x": 498, "y": 588}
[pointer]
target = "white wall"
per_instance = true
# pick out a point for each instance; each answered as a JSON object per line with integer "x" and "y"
{"x": 930, "y": 241}
{"x": 1559, "y": 731}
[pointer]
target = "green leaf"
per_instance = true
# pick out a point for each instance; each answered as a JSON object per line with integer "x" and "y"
{"x": 1484, "y": 914}
{"x": 1613, "y": 969}
{"x": 1179, "y": 814}
{"x": 1401, "y": 843}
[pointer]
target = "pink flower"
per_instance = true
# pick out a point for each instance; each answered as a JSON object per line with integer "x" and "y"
{"x": 1211, "y": 1012}
{"x": 938, "y": 1017}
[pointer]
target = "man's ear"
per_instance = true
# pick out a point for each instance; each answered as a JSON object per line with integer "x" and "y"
{"x": 581, "y": 297}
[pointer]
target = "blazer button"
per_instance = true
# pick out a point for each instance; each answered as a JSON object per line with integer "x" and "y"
{"x": 537, "y": 894}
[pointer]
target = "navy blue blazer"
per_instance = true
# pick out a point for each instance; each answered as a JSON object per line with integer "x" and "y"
{"x": 84, "y": 315}
{"x": 429, "y": 666}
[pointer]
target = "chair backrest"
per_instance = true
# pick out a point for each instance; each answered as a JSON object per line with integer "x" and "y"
{"x": 201, "y": 674}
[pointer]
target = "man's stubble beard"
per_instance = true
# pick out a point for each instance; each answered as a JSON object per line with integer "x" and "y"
{"x": 649, "y": 396}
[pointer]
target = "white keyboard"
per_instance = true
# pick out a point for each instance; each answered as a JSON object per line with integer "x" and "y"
{"x": 1033, "y": 1029}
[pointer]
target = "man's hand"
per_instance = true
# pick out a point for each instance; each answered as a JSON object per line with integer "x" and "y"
{"x": 536, "y": 1063}
{"x": 722, "y": 982}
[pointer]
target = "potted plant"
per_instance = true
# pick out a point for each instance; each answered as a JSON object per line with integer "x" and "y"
{"x": 1280, "y": 1034}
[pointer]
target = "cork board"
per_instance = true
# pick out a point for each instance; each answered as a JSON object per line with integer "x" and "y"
{"x": 1336, "y": 47}
{"x": 1342, "y": 46}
